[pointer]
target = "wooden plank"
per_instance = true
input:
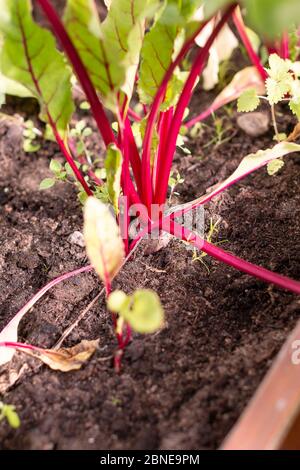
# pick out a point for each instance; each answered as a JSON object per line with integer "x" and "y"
{"x": 270, "y": 421}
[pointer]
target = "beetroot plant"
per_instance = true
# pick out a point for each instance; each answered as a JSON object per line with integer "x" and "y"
{"x": 136, "y": 53}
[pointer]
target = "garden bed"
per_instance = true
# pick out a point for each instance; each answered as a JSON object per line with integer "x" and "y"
{"x": 181, "y": 388}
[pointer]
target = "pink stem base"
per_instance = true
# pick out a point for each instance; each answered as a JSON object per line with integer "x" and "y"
{"x": 233, "y": 261}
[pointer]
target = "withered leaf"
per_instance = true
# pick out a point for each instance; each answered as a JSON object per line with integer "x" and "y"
{"x": 65, "y": 359}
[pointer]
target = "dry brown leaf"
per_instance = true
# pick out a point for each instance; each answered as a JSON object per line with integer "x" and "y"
{"x": 104, "y": 245}
{"x": 65, "y": 359}
{"x": 295, "y": 134}
{"x": 11, "y": 373}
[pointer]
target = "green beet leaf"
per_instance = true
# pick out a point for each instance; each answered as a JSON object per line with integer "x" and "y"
{"x": 271, "y": 17}
{"x": 29, "y": 57}
{"x": 160, "y": 47}
{"x": 109, "y": 50}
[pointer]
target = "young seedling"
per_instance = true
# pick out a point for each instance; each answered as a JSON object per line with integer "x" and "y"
{"x": 31, "y": 134}
{"x": 9, "y": 413}
{"x": 282, "y": 84}
{"x": 80, "y": 133}
{"x": 174, "y": 181}
{"x": 212, "y": 233}
{"x": 140, "y": 311}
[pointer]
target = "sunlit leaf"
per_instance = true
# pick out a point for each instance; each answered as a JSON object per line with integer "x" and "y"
{"x": 161, "y": 46}
{"x": 103, "y": 242}
{"x": 14, "y": 88}
{"x": 47, "y": 183}
{"x": 110, "y": 51}
{"x": 144, "y": 313}
{"x": 276, "y": 90}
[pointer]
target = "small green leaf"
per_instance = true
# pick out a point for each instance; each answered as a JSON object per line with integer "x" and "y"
{"x": 274, "y": 166}
{"x": 11, "y": 416}
{"x": 82, "y": 197}
{"x": 248, "y": 101}
{"x": 30, "y": 147}
{"x": 85, "y": 105}
{"x": 47, "y": 183}
{"x": 80, "y": 125}
{"x": 144, "y": 312}
{"x": 101, "y": 173}
{"x": 69, "y": 169}
{"x": 29, "y": 133}
{"x": 295, "y": 107}
{"x": 48, "y": 134}
{"x": 101, "y": 193}
{"x": 116, "y": 301}
{"x": 280, "y": 137}
{"x": 87, "y": 132}
{"x": 29, "y": 124}
{"x": 55, "y": 166}
{"x": 279, "y": 68}
{"x": 280, "y": 79}
{"x": 80, "y": 148}
{"x": 276, "y": 90}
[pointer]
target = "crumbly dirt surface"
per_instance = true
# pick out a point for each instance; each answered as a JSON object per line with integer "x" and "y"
{"x": 184, "y": 387}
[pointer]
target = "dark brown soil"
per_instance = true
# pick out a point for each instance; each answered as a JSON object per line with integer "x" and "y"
{"x": 182, "y": 388}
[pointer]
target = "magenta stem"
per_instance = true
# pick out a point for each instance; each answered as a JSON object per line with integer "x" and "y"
{"x": 183, "y": 102}
{"x": 200, "y": 117}
{"x": 134, "y": 156}
{"x": 82, "y": 75}
{"x": 146, "y": 154}
{"x": 69, "y": 158}
{"x": 240, "y": 26}
{"x": 134, "y": 115}
{"x": 285, "y": 52}
{"x": 42, "y": 292}
{"x": 11, "y": 344}
{"x": 165, "y": 123}
{"x": 256, "y": 271}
